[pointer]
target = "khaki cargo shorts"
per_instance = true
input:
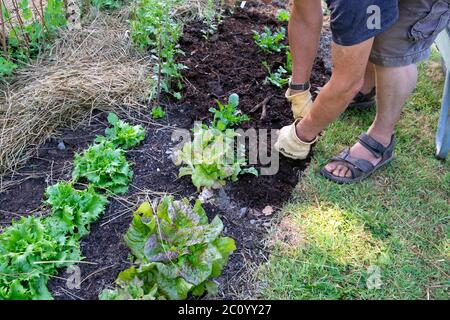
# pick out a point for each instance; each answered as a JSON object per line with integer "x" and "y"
{"x": 409, "y": 40}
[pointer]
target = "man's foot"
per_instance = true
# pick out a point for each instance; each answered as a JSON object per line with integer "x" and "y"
{"x": 360, "y": 161}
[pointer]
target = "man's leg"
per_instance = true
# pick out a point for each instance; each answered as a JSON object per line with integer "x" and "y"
{"x": 394, "y": 86}
{"x": 305, "y": 26}
{"x": 369, "y": 79}
{"x": 347, "y": 79}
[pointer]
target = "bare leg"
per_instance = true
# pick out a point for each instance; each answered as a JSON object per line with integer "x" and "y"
{"x": 347, "y": 79}
{"x": 394, "y": 86}
{"x": 305, "y": 26}
{"x": 369, "y": 79}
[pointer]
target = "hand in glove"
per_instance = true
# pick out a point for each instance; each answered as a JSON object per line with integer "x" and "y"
{"x": 290, "y": 145}
{"x": 301, "y": 103}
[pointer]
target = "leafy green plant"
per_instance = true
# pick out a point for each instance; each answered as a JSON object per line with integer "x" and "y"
{"x": 283, "y": 15}
{"x": 26, "y": 38}
{"x": 228, "y": 115}
{"x": 212, "y": 16}
{"x": 276, "y": 78}
{"x": 104, "y": 166}
{"x": 33, "y": 248}
{"x": 210, "y": 159}
{"x": 153, "y": 28}
{"x": 177, "y": 252}
{"x": 107, "y": 4}
{"x": 157, "y": 113}
{"x": 30, "y": 252}
{"x": 6, "y": 67}
{"x": 270, "y": 42}
{"x": 74, "y": 210}
{"x": 121, "y": 134}
{"x": 288, "y": 63}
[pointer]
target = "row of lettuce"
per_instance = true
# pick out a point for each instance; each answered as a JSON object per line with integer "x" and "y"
{"x": 176, "y": 252}
{"x": 35, "y": 247}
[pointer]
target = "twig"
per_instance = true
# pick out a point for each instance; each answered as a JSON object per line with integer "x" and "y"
{"x": 95, "y": 272}
{"x": 73, "y": 296}
{"x": 262, "y": 104}
{"x": 5, "y": 50}
{"x": 65, "y": 261}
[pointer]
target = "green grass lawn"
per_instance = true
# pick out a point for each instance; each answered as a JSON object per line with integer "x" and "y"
{"x": 385, "y": 238}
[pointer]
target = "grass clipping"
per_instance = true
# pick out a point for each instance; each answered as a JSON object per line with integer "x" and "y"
{"x": 93, "y": 68}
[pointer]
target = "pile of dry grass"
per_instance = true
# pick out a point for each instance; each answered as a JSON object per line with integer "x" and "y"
{"x": 94, "y": 68}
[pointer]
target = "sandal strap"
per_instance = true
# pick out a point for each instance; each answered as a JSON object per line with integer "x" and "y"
{"x": 361, "y": 164}
{"x": 376, "y": 148}
{"x": 353, "y": 164}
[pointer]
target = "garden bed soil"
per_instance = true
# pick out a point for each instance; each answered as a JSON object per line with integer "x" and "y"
{"x": 228, "y": 62}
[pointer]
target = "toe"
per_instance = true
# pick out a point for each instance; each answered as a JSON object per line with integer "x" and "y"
{"x": 331, "y": 166}
{"x": 337, "y": 170}
{"x": 348, "y": 174}
{"x": 343, "y": 171}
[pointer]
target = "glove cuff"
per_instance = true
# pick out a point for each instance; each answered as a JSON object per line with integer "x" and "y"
{"x": 294, "y": 134}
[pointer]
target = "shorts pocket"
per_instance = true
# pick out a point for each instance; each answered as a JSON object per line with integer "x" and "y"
{"x": 433, "y": 23}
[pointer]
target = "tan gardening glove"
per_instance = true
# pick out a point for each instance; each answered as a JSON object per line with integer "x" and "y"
{"x": 290, "y": 145}
{"x": 301, "y": 103}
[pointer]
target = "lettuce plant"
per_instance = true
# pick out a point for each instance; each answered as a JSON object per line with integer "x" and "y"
{"x": 103, "y": 166}
{"x": 177, "y": 252}
{"x": 157, "y": 113}
{"x": 270, "y": 42}
{"x": 30, "y": 252}
{"x": 121, "y": 134}
{"x": 228, "y": 115}
{"x": 210, "y": 159}
{"x": 74, "y": 210}
{"x": 33, "y": 248}
{"x": 283, "y": 15}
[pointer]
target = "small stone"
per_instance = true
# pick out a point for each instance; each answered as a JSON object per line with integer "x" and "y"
{"x": 243, "y": 212}
{"x": 61, "y": 146}
{"x": 253, "y": 221}
{"x": 268, "y": 211}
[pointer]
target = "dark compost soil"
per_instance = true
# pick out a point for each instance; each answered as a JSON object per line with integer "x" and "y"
{"x": 228, "y": 62}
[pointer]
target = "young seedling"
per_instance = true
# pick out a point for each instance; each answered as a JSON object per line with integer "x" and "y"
{"x": 270, "y": 42}
{"x": 288, "y": 63}
{"x": 276, "y": 78}
{"x": 228, "y": 115}
{"x": 153, "y": 28}
{"x": 283, "y": 15}
{"x": 157, "y": 113}
{"x": 121, "y": 134}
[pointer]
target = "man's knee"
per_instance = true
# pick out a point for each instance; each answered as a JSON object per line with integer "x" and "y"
{"x": 348, "y": 87}
{"x": 307, "y": 11}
